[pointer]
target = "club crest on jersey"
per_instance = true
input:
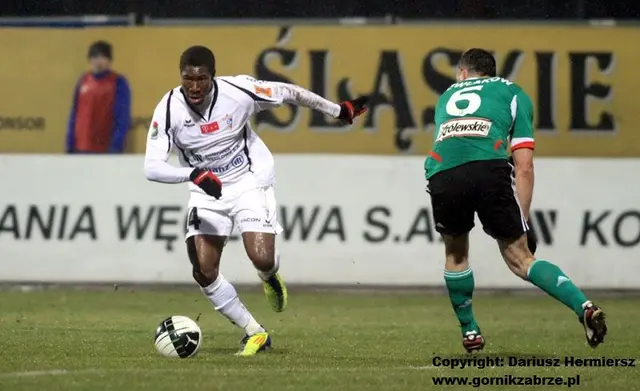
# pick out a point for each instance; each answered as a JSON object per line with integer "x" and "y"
{"x": 209, "y": 128}
{"x": 154, "y": 130}
{"x": 464, "y": 127}
{"x": 228, "y": 120}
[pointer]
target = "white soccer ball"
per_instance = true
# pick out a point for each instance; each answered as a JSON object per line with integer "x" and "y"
{"x": 178, "y": 336}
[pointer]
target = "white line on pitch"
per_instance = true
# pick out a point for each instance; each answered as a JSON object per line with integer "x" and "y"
{"x": 52, "y": 372}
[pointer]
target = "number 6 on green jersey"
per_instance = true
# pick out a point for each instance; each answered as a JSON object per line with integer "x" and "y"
{"x": 474, "y": 100}
{"x": 478, "y": 119}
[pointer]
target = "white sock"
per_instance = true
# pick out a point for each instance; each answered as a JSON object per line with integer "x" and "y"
{"x": 276, "y": 266}
{"x": 224, "y": 298}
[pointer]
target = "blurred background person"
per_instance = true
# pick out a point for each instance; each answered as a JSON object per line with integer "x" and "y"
{"x": 101, "y": 110}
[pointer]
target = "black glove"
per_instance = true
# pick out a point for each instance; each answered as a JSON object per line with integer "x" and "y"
{"x": 352, "y": 108}
{"x": 207, "y": 181}
{"x": 532, "y": 239}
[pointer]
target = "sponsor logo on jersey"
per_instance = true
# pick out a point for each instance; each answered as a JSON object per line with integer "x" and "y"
{"x": 263, "y": 90}
{"x": 214, "y": 155}
{"x": 224, "y": 153}
{"x": 237, "y": 161}
{"x": 209, "y": 128}
{"x": 464, "y": 127}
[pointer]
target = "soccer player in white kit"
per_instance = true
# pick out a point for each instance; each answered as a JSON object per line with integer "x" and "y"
{"x": 230, "y": 173}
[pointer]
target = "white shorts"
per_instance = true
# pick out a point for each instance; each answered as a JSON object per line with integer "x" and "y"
{"x": 253, "y": 210}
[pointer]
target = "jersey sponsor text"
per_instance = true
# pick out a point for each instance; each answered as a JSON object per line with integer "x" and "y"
{"x": 465, "y": 127}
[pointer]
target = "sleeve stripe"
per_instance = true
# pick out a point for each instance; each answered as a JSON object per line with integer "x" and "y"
{"x": 519, "y": 140}
{"x": 167, "y": 121}
{"x": 526, "y": 144}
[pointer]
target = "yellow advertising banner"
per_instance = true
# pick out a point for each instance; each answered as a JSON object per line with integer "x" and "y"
{"x": 582, "y": 80}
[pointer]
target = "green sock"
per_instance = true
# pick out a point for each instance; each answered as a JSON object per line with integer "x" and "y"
{"x": 548, "y": 277}
{"x": 460, "y": 286}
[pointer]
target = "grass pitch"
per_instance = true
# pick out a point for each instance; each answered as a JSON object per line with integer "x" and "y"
{"x": 71, "y": 340}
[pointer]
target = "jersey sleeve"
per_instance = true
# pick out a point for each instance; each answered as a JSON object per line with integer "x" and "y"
{"x": 264, "y": 94}
{"x": 160, "y": 145}
{"x": 269, "y": 95}
{"x": 522, "y": 133}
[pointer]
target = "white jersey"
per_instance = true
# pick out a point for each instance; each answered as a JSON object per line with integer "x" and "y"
{"x": 219, "y": 137}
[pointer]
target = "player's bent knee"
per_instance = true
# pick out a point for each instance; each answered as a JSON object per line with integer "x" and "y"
{"x": 205, "y": 261}
{"x": 262, "y": 259}
{"x": 260, "y": 248}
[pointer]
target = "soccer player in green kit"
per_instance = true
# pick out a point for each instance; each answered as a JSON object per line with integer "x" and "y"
{"x": 477, "y": 120}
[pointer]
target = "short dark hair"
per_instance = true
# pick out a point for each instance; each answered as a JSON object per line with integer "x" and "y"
{"x": 100, "y": 48}
{"x": 478, "y": 61}
{"x": 198, "y": 56}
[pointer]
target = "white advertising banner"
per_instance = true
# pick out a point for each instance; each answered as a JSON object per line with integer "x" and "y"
{"x": 347, "y": 220}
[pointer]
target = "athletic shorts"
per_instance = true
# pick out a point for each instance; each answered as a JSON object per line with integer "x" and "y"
{"x": 483, "y": 187}
{"x": 252, "y": 210}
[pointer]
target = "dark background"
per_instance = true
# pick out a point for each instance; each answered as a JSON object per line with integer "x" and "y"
{"x": 408, "y": 9}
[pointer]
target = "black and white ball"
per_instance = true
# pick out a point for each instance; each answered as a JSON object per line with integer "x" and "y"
{"x": 178, "y": 336}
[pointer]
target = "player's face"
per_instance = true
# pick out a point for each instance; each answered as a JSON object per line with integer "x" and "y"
{"x": 196, "y": 83}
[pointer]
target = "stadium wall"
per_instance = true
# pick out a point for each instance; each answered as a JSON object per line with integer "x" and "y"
{"x": 347, "y": 219}
{"x": 582, "y": 80}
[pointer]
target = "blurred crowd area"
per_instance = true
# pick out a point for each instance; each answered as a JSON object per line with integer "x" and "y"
{"x": 405, "y": 9}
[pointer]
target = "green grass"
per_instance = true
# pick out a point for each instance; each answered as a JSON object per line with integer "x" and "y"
{"x": 102, "y": 340}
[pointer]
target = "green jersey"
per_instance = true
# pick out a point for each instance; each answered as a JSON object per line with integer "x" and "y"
{"x": 479, "y": 119}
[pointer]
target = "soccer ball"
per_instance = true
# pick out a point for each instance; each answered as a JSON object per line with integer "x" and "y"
{"x": 178, "y": 336}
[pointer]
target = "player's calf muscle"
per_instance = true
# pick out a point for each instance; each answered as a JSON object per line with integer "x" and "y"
{"x": 205, "y": 273}
{"x": 517, "y": 255}
{"x": 457, "y": 252}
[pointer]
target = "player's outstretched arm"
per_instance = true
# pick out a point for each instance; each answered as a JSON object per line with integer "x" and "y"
{"x": 345, "y": 111}
{"x": 268, "y": 95}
